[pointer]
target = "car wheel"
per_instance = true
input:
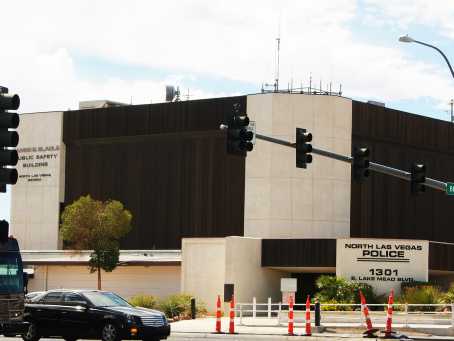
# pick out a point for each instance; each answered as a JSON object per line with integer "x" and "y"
{"x": 32, "y": 333}
{"x": 110, "y": 332}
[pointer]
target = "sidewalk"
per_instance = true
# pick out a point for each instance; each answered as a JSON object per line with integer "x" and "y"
{"x": 268, "y": 328}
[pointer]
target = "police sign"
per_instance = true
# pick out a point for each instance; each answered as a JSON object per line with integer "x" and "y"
{"x": 383, "y": 263}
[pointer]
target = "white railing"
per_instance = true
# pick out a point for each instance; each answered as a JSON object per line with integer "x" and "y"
{"x": 407, "y": 315}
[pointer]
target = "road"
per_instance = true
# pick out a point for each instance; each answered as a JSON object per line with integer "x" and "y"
{"x": 226, "y": 337}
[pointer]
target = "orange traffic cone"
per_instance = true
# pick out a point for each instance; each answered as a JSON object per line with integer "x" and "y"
{"x": 290, "y": 316}
{"x": 370, "y": 332}
{"x": 218, "y": 315}
{"x": 232, "y": 316}
{"x": 308, "y": 316}
{"x": 389, "y": 315}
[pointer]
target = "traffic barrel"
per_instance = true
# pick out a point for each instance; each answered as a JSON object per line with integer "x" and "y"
{"x": 308, "y": 316}
{"x": 232, "y": 316}
{"x": 218, "y": 315}
{"x": 370, "y": 332}
{"x": 290, "y": 316}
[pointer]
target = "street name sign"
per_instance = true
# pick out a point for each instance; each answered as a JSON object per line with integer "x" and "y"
{"x": 450, "y": 188}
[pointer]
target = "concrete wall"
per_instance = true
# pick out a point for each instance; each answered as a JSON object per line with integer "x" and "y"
{"x": 35, "y": 199}
{"x": 209, "y": 263}
{"x": 243, "y": 269}
{"x": 203, "y": 266}
{"x": 283, "y": 201}
{"x": 127, "y": 281}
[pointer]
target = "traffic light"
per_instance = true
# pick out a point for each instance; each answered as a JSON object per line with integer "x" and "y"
{"x": 303, "y": 148}
{"x": 8, "y": 139}
{"x": 239, "y": 138}
{"x": 360, "y": 163}
{"x": 418, "y": 177}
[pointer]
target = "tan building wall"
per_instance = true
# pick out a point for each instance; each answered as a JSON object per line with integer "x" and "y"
{"x": 127, "y": 281}
{"x": 209, "y": 263}
{"x": 35, "y": 199}
{"x": 283, "y": 201}
{"x": 203, "y": 266}
{"x": 244, "y": 270}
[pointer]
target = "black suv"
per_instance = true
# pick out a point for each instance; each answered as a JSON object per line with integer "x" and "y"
{"x": 91, "y": 314}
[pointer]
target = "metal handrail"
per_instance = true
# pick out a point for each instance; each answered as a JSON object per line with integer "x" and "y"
{"x": 405, "y": 313}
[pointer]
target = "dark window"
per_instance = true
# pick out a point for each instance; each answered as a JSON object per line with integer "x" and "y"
{"x": 52, "y": 297}
{"x": 71, "y": 297}
{"x": 11, "y": 277}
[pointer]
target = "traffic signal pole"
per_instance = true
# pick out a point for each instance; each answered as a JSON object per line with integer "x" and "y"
{"x": 376, "y": 167}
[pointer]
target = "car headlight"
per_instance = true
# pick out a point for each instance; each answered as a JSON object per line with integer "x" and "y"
{"x": 132, "y": 319}
{"x": 16, "y": 315}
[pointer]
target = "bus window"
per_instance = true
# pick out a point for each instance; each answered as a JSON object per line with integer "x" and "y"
{"x": 11, "y": 279}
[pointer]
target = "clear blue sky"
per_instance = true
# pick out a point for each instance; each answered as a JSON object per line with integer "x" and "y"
{"x": 64, "y": 52}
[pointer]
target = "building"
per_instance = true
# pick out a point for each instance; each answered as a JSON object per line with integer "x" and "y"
{"x": 243, "y": 221}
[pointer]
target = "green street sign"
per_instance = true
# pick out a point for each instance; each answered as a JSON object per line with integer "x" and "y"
{"x": 450, "y": 188}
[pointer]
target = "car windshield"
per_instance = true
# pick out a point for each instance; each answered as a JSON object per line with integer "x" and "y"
{"x": 11, "y": 278}
{"x": 105, "y": 299}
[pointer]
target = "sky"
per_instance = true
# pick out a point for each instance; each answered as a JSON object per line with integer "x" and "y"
{"x": 57, "y": 53}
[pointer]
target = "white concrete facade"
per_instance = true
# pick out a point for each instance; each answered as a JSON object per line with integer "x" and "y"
{"x": 35, "y": 199}
{"x": 209, "y": 263}
{"x": 282, "y": 201}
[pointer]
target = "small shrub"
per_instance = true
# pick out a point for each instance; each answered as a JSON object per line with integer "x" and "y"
{"x": 334, "y": 289}
{"x": 424, "y": 294}
{"x": 179, "y": 306}
{"x": 145, "y": 301}
{"x": 334, "y": 307}
{"x": 448, "y": 296}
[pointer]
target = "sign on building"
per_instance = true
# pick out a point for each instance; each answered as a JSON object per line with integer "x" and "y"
{"x": 383, "y": 263}
{"x": 288, "y": 289}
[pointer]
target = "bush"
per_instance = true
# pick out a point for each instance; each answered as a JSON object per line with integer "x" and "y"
{"x": 334, "y": 289}
{"x": 423, "y": 294}
{"x": 145, "y": 301}
{"x": 448, "y": 296}
{"x": 179, "y": 306}
{"x": 334, "y": 307}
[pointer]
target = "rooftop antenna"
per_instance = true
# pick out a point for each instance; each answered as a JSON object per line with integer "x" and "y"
{"x": 310, "y": 82}
{"x": 278, "y": 41}
{"x": 172, "y": 93}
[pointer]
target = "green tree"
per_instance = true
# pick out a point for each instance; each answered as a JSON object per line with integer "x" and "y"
{"x": 89, "y": 224}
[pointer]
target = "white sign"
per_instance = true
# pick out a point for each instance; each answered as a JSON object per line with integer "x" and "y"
{"x": 288, "y": 284}
{"x": 383, "y": 263}
{"x": 38, "y": 163}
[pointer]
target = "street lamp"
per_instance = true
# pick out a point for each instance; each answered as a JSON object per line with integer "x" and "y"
{"x": 407, "y": 39}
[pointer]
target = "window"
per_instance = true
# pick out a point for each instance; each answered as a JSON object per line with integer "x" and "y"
{"x": 71, "y": 297}
{"x": 105, "y": 299}
{"x": 51, "y": 297}
{"x": 11, "y": 278}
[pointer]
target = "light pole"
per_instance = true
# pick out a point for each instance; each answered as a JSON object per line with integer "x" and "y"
{"x": 407, "y": 39}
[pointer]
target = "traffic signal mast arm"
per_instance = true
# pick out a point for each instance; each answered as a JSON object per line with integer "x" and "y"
{"x": 376, "y": 167}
